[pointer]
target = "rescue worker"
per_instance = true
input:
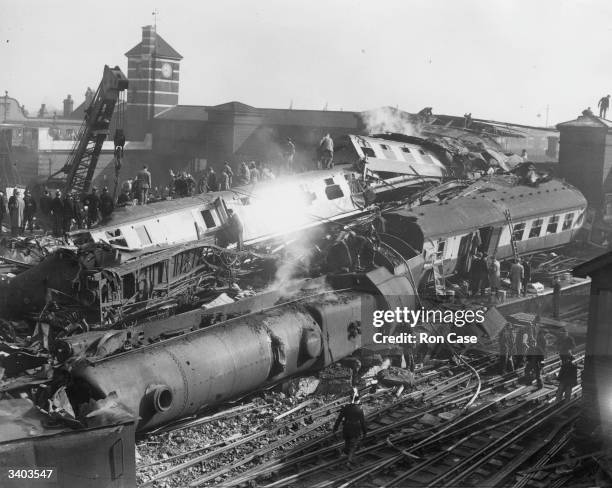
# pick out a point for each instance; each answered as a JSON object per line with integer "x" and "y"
{"x": 92, "y": 201}
{"x": 494, "y": 275}
{"x": 568, "y": 378}
{"x": 79, "y": 210}
{"x": 57, "y": 212}
{"x": 526, "y": 276}
{"x": 603, "y": 104}
{"x": 230, "y": 174}
{"x": 15, "y": 208}
{"x": 353, "y": 426}
{"x": 244, "y": 174}
{"x": 235, "y": 228}
{"x": 476, "y": 274}
{"x": 506, "y": 348}
{"x": 556, "y": 302}
{"x": 521, "y": 344}
{"x": 68, "y": 212}
{"x": 517, "y": 274}
{"x": 144, "y": 184}
{"x": 106, "y": 204}
{"x": 212, "y": 184}
{"x": 2, "y": 209}
{"x": 565, "y": 344}
{"x": 409, "y": 350}
{"x": 255, "y": 173}
{"x": 326, "y": 152}
{"x": 226, "y": 180}
{"x": 534, "y": 357}
{"x": 541, "y": 340}
{"x": 29, "y": 211}
{"x": 44, "y": 205}
{"x": 289, "y": 154}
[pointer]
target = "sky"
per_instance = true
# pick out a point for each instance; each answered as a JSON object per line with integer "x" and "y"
{"x": 504, "y": 60}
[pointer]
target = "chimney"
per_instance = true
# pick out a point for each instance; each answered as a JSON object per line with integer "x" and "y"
{"x": 68, "y": 106}
{"x": 89, "y": 94}
{"x": 148, "y": 39}
{"x": 43, "y": 110}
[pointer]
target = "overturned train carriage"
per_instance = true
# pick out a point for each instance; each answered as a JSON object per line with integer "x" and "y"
{"x": 485, "y": 216}
{"x": 106, "y": 291}
{"x": 180, "y": 376}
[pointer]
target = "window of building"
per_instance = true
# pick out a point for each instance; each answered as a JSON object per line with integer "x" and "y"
{"x": 567, "y": 222}
{"x": 209, "y": 220}
{"x": 517, "y": 232}
{"x": 553, "y": 223}
{"x": 536, "y": 228}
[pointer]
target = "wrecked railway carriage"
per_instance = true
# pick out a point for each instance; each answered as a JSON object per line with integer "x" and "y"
{"x": 204, "y": 367}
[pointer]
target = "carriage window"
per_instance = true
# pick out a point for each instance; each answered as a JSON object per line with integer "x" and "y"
{"x": 553, "y": 223}
{"x": 567, "y": 222}
{"x": 536, "y": 228}
{"x": 441, "y": 246}
{"x": 209, "y": 220}
{"x": 517, "y": 233}
{"x": 387, "y": 151}
{"x": 368, "y": 151}
{"x": 406, "y": 149}
{"x": 333, "y": 192}
{"x": 580, "y": 219}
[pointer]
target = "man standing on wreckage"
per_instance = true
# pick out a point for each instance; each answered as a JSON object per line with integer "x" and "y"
{"x": 353, "y": 426}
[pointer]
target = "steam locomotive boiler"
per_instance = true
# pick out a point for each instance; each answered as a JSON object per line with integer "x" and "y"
{"x": 182, "y": 375}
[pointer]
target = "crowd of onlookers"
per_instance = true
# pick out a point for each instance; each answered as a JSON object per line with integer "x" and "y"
{"x": 60, "y": 213}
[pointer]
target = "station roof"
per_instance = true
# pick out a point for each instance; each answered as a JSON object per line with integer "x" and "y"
{"x": 484, "y": 202}
{"x": 587, "y": 121}
{"x": 601, "y": 264}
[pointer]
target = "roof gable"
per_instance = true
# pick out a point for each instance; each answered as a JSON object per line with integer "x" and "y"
{"x": 162, "y": 49}
{"x": 235, "y": 107}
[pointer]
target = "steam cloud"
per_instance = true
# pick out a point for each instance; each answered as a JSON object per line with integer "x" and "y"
{"x": 389, "y": 119}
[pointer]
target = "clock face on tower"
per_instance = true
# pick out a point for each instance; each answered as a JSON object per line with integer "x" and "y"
{"x": 166, "y": 70}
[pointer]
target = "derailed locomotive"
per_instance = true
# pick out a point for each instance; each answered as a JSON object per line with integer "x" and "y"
{"x": 205, "y": 367}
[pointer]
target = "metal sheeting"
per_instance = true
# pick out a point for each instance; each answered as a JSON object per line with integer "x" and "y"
{"x": 483, "y": 203}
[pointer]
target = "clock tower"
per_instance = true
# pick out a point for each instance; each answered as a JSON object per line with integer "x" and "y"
{"x": 153, "y": 74}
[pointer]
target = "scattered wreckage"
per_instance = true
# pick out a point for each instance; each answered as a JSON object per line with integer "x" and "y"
{"x": 131, "y": 317}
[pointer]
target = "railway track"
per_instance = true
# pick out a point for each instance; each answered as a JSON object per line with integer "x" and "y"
{"x": 403, "y": 433}
{"x": 398, "y": 437}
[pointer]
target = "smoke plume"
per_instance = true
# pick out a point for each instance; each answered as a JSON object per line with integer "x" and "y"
{"x": 389, "y": 119}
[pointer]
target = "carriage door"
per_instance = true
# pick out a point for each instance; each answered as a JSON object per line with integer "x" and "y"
{"x": 489, "y": 238}
{"x": 494, "y": 240}
{"x": 464, "y": 255}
